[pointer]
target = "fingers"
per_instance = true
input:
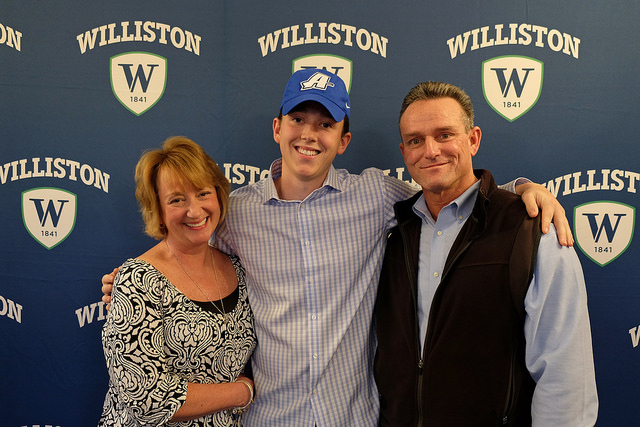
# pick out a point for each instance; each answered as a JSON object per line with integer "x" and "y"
{"x": 530, "y": 203}
{"x": 552, "y": 210}
{"x": 107, "y": 287}
{"x": 538, "y": 199}
{"x": 548, "y": 208}
{"x": 107, "y": 300}
{"x": 565, "y": 237}
{"x": 107, "y": 279}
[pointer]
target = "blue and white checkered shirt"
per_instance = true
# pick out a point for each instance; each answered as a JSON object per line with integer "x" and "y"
{"x": 312, "y": 273}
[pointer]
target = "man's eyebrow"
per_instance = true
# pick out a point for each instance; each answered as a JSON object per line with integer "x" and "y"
{"x": 446, "y": 129}
{"x": 441, "y": 129}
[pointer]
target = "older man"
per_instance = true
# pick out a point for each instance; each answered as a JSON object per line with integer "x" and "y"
{"x": 480, "y": 320}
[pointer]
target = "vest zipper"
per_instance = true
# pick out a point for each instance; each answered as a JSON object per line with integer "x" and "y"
{"x": 419, "y": 393}
{"x": 413, "y": 280}
{"x": 429, "y": 326}
{"x": 508, "y": 407}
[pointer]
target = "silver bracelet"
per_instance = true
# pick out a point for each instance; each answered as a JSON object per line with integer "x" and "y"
{"x": 239, "y": 410}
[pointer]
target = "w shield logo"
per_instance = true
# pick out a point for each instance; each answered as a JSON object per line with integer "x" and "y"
{"x": 337, "y": 65}
{"x": 49, "y": 214}
{"x": 512, "y": 84}
{"x": 138, "y": 80}
{"x": 604, "y": 230}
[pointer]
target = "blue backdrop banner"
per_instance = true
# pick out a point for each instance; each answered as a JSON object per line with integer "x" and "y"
{"x": 86, "y": 87}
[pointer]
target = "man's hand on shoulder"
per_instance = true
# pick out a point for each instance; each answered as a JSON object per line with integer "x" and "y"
{"x": 537, "y": 198}
{"x": 107, "y": 287}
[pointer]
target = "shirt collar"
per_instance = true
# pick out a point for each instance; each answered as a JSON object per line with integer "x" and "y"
{"x": 460, "y": 208}
{"x": 275, "y": 171}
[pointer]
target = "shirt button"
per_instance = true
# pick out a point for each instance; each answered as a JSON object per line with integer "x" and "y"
{"x": 306, "y": 242}
{"x": 315, "y": 356}
{"x": 439, "y": 233}
{"x": 314, "y": 317}
{"x": 436, "y": 274}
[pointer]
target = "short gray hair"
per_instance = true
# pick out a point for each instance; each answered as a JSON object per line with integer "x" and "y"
{"x": 434, "y": 90}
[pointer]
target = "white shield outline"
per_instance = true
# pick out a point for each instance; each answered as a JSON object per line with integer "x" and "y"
{"x": 511, "y": 106}
{"x": 598, "y": 252}
{"x": 137, "y": 99}
{"x": 49, "y": 236}
{"x": 338, "y": 65}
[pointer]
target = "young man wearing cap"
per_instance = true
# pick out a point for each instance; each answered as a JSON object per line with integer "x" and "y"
{"x": 311, "y": 239}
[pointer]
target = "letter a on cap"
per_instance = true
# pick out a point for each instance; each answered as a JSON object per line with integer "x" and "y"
{"x": 317, "y": 81}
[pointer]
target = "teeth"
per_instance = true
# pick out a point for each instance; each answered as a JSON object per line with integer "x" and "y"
{"x": 200, "y": 224}
{"x": 307, "y": 152}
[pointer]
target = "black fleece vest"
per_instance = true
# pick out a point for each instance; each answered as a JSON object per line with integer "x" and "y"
{"x": 471, "y": 371}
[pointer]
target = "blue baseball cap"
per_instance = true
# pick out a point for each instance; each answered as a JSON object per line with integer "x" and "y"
{"x": 313, "y": 84}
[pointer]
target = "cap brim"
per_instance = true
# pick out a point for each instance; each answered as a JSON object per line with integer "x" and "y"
{"x": 336, "y": 112}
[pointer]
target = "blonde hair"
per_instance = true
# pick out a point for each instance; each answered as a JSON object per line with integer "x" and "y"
{"x": 190, "y": 164}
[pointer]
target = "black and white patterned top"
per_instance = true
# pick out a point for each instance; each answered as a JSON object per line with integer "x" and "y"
{"x": 156, "y": 340}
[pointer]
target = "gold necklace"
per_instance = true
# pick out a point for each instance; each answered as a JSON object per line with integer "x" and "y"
{"x": 225, "y": 315}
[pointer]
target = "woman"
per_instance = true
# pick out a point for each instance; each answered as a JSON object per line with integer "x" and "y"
{"x": 180, "y": 329}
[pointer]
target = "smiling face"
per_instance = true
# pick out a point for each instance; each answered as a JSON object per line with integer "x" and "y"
{"x": 309, "y": 140}
{"x": 189, "y": 214}
{"x": 437, "y": 148}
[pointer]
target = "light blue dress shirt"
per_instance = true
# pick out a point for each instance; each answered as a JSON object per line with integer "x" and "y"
{"x": 312, "y": 273}
{"x": 557, "y": 330}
